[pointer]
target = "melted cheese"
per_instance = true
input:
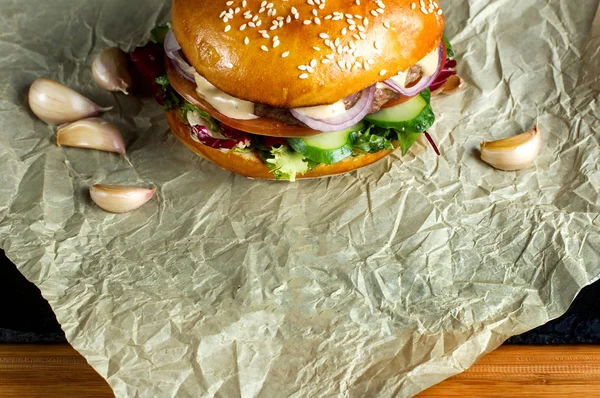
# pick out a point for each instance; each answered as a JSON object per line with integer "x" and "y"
{"x": 429, "y": 64}
{"x": 400, "y": 79}
{"x": 323, "y": 111}
{"x": 226, "y": 104}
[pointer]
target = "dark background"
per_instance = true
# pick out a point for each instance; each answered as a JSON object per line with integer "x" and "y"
{"x": 25, "y": 317}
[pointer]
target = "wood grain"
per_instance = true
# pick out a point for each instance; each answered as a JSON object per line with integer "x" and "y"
{"x": 515, "y": 371}
{"x": 48, "y": 371}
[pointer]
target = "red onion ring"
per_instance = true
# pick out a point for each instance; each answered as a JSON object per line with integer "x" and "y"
{"x": 345, "y": 120}
{"x": 424, "y": 82}
{"x": 173, "y": 51}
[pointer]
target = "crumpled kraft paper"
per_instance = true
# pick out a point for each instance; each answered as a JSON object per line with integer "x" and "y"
{"x": 378, "y": 283}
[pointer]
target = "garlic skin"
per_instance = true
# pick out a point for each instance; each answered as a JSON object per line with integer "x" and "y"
{"x": 454, "y": 84}
{"x": 56, "y": 104}
{"x": 120, "y": 199}
{"x": 110, "y": 71}
{"x": 92, "y": 133}
{"x": 513, "y": 153}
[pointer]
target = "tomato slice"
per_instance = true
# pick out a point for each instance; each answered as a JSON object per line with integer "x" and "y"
{"x": 261, "y": 126}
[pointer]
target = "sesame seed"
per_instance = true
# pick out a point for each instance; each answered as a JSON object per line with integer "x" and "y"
{"x": 386, "y": 24}
{"x": 316, "y": 49}
{"x": 383, "y": 73}
{"x": 302, "y": 67}
{"x": 227, "y": 28}
{"x": 285, "y": 54}
{"x": 323, "y": 35}
{"x": 243, "y": 27}
{"x": 374, "y": 13}
{"x": 307, "y": 22}
{"x": 303, "y": 76}
{"x": 264, "y": 48}
{"x": 246, "y": 41}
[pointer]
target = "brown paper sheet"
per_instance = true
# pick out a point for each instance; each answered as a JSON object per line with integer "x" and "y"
{"x": 378, "y": 283}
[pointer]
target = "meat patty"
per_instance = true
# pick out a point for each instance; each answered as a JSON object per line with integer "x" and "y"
{"x": 282, "y": 115}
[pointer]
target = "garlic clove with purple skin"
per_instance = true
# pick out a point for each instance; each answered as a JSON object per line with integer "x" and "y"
{"x": 110, "y": 70}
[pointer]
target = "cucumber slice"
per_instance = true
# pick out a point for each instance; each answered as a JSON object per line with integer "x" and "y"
{"x": 412, "y": 116}
{"x": 327, "y": 148}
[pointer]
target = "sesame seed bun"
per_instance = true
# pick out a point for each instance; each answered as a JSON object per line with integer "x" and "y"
{"x": 286, "y": 68}
{"x": 251, "y": 166}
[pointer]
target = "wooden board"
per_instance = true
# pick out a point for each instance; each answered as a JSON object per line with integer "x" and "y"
{"x": 526, "y": 371}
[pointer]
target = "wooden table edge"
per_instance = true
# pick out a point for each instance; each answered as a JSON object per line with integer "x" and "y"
{"x": 552, "y": 371}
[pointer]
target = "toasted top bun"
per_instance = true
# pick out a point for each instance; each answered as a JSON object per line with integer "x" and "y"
{"x": 285, "y": 67}
{"x": 251, "y": 166}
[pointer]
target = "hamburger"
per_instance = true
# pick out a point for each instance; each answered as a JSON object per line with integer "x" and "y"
{"x": 298, "y": 89}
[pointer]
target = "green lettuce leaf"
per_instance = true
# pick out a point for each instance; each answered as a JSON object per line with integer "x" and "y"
{"x": 172, "y": 99}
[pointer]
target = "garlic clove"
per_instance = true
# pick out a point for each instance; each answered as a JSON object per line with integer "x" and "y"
{"x": 120, "y": 199}
{"x": 110, "y": 71}
{"x": 92, "y": 133}
{"x": 513, "y": 153}
{"x": 55, "y": 104}
{"x": 454, "y": 84}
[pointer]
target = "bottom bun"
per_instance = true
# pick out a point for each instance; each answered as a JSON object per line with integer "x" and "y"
{"x": 251, "y": 166}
